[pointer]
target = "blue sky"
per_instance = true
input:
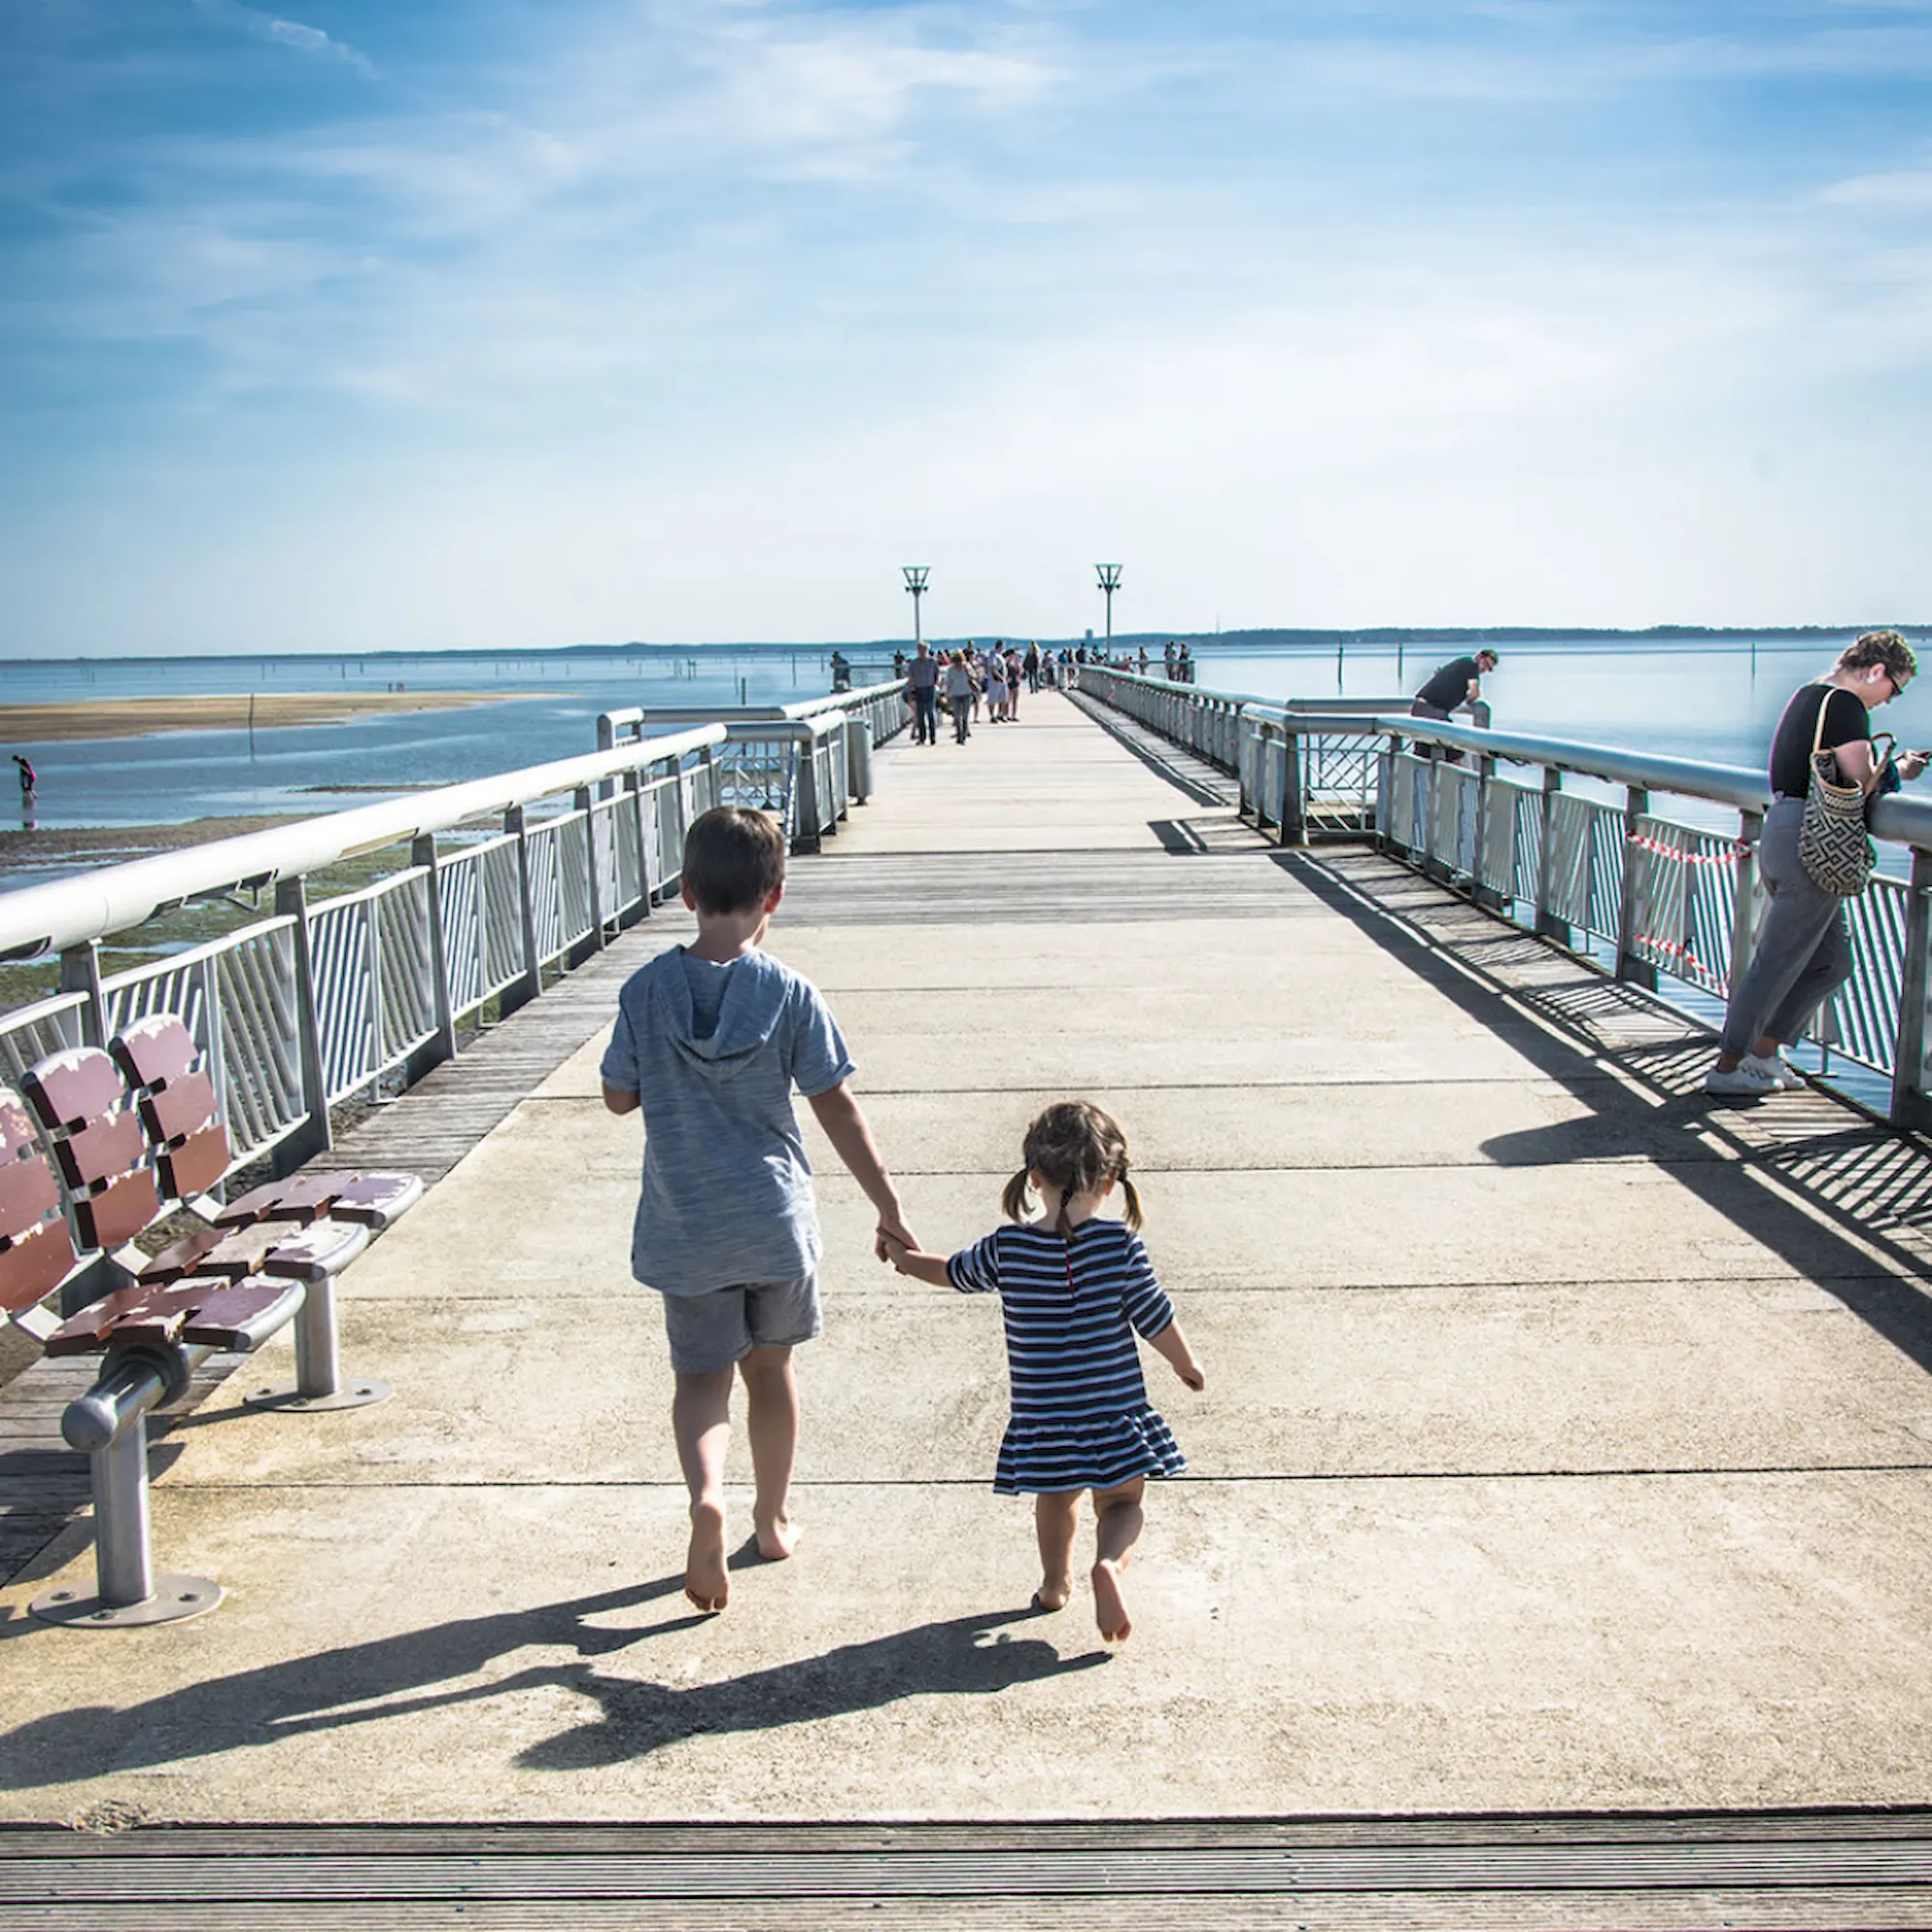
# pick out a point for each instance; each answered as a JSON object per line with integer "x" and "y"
{"x": 513, "y": 325}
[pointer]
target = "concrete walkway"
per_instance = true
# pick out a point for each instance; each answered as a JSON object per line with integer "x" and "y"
{"x": 1556, "y": 1451}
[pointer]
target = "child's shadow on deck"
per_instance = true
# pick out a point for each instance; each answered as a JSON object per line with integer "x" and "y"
{"x": 959, "y": 1657}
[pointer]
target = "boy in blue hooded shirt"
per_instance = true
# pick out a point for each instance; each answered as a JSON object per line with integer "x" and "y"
{"x": 710, "y": 1040}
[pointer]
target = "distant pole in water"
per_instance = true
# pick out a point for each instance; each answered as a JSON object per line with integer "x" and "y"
{"x": 915, "y": 576}
{"x": 1110, "y": 582}
{"x": 1339, "y": 646}
{"x": 252, "y": 727}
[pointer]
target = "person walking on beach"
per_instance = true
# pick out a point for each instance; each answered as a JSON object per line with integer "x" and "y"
{"x": 1802, "y": 953}
{"x": 1073, "y": 1290}
{"x": 922, "y": 687}
{"x": 29, "y": 777}
{"x": 709, "y": 1041}
{"x": 1456, "y": 686}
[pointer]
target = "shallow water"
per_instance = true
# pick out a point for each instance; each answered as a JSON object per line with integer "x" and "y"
{"x": 1699, "y": 701}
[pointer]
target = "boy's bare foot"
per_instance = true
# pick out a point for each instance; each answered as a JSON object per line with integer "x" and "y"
{"x": 706, "y": 1582}
{"x": 777, "y": 1539}
{"x": 1110, "y": 1606}
{"x": 1053, "y": 1593}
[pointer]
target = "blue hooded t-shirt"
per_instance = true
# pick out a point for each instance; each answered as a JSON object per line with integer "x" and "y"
{"x": 713, "y": 1053}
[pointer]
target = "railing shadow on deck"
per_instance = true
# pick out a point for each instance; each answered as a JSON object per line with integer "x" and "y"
{"x": 1869, "y": 1183}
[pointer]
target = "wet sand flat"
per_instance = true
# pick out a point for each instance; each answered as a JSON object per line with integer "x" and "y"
{"x": 136, "y": 717}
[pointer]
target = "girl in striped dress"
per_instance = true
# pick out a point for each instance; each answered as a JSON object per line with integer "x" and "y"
{"x": 1074, "y": 1290}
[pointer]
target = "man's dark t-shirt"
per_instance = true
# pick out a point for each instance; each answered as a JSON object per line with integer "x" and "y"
{"x": 1450, "y": 686}
{"x": 1847, "y": 722}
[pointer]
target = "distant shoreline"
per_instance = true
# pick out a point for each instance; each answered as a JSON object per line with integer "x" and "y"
{"x": 1254, "y": 638}
{"x": 142, "y": 717}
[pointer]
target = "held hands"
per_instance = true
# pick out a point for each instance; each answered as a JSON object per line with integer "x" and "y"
{"x": 892, "y": 1234}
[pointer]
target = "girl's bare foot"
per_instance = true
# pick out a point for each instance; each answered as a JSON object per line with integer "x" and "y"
{"x": 777, "y": 1539}
{"x": 1053, "y": 1593}
{"x": 1110, "y": 1606}
{"x": 706, "y": 1582}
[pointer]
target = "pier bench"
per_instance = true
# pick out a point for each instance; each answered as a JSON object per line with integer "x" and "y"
{"x": 117, "y": 1142}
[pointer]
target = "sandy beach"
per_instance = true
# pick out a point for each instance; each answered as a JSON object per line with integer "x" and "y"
{"x": 136, "y": 717}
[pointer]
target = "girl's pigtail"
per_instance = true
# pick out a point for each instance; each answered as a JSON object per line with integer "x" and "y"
{"x": 1013, "y": 1201}
{"x": 1132, "y": 1194}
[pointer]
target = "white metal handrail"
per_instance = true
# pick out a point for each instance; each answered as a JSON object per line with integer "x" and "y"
{"x": 295, "y": 1012}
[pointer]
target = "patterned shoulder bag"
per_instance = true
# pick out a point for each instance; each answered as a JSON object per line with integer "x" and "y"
{"x": 1833, "y": 844}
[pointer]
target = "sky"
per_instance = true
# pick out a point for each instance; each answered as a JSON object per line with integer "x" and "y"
{"x": 526, "y": 323}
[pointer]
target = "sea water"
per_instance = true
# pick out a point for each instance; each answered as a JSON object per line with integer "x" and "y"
{"x": 1713, "y": 701}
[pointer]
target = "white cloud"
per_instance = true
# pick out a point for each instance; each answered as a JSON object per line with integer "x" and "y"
{"x": 293, "y": 34}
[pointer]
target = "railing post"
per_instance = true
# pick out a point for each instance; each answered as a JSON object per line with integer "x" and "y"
{"x": 443, "y": 1046}
{"x": 313, "y": 1136}
{"x": 528, "y": 984}
{"x": 805, "y": 816}
{"x": 1911, "y": 1107}
{"x": 1632, "y": 969}
{"x": 584, "y": 799}
{"x": 80, "y": 973}
{"x": 1480, "y": 890}
{"x": 634, "y": 818}
{"x": 1743, "y": 898}
{"x": 1293, "y": 817}
{"x": 1545, "y": 921}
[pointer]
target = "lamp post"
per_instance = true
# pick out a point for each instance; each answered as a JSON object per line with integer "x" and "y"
{"x": 915, "y": 577}
{"x": 1110, "y": 582}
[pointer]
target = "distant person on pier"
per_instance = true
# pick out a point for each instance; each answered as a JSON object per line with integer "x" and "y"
{"x": 842, "y": 672}
{"x": 1802, "y": 953}
{"x": 29, "y": 777}
{"x": 922, "y": 676}
{"x": 710, "y": 1040}
{"x": 1457, "y": 686}
{"x": 1183, "y": 665}
{"x": 898, "y": 664}
{"x": 1031, "y": 663}
{"x": 996, "y": 686}
{"x": 1167, "y": 661}
{"x": 959, "y": 695}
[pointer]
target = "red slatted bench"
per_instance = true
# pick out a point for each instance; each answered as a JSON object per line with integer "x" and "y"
{"x": 125, "y": 1137}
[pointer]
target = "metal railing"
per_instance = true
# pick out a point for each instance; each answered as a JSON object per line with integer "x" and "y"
{"x": 805, "y": 762}
{"x": 1662, "y": 903}
{"x": 322, "y": 1000}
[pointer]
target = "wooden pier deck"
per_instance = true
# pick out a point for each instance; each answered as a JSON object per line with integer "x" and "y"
{"x": 1552, "y": 1550}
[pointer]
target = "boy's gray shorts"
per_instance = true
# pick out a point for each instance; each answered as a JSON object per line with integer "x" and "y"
{"x": 713, "y": 1331}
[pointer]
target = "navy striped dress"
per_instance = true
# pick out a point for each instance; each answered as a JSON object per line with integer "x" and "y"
{"x": 1081, "y": 1419}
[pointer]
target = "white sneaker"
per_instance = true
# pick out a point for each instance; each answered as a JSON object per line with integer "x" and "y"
{"x": 1776, "y": 1067}
{"x": 1748, "y": 1080}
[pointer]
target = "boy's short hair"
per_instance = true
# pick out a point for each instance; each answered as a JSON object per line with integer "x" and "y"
{"x": 734, "y": 859}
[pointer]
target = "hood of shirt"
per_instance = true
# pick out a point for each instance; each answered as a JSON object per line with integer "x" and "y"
{"x": 755, "y": 987}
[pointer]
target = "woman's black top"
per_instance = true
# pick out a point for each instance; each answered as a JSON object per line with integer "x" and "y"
{"x": 1846, "y": 722}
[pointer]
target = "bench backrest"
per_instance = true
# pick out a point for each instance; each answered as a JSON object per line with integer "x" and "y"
{"x": 98, "y": 1144}
{"x": 174, "y": 1102}
{"x": 35, "y": 1248}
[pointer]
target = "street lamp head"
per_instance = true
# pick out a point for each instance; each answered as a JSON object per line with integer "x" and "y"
{"x": 915, "y": 576}
{"x": 1110, "y": 576}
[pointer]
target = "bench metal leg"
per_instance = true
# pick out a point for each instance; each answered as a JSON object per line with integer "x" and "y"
{"x": 318, "y": 1386}
{"x": 111, "y": 1421}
